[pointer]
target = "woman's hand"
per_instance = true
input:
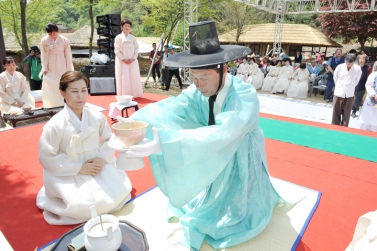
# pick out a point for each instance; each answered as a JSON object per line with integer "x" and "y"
{"x": 90, "y": 169}
{"x": 126, "y": 61}
{"x": 18, "y": 104}
{"x": 99, "y": 161}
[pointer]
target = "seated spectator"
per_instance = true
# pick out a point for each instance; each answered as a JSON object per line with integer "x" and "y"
{"x": 313, "y": 69}
{"x": 271, "y": 78}
{"x": 79, "y": 166}
{"x": 298, "y": 88}
{"x": 368, "y": 115}
{"x": 285, "y": 74}
{"x": 274, "y": 61}
{"x": 255, "y": 75}
{"x": 14, "y": 90}
{"x": 243, "y": 70}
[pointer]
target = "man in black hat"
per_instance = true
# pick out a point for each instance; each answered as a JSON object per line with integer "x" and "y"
{"x": 207, "y": 150}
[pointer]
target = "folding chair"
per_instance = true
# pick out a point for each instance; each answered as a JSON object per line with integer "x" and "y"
{"x": 320, "y": 83}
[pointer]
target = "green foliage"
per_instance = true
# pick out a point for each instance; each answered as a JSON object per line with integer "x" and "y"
{"x": 309, "y": 19}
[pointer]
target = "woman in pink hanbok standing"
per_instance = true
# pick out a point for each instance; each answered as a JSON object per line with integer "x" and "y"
{"x": 127, "y": 70}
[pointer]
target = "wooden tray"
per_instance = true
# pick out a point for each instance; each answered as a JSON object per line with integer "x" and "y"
{"x": 133, "y": 238}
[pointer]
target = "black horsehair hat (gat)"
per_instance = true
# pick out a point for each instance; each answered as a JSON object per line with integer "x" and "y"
{"x": 205, "y": 49}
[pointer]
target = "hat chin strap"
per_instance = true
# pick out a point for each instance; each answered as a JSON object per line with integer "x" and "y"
{"x": 212, "y": 99}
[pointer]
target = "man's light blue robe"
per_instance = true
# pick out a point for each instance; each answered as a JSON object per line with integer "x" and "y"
{"x": 215, "y": 176}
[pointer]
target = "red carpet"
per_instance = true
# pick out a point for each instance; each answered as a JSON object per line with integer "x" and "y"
{"x": 347, "y": 185}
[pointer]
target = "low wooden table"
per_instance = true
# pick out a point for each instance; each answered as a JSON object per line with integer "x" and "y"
{"x": 38, "y": 113}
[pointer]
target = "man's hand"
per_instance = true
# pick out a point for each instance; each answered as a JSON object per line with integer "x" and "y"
{"x": 90, "y": 169}
{"x": 32, "y": 53}
{"x": 121, "y": 119}
{"x": 145, "y": 149}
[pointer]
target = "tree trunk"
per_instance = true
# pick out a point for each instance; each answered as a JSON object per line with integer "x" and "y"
{"x": 25, "y": 47}
{"x": 362, "y": 41}
{"x": 91, "y": 27}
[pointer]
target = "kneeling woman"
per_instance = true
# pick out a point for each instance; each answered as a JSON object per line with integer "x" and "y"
{"x": 79, "y": 166}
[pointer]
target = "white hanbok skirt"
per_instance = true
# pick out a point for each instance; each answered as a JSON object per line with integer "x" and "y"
{"x": 368, "y": 117}
{"x": 281, "y": 85}
{"x": 298, "y": 89}
{"x": 268, "y": 83}
{"x": 256, "y": 80}
{"x": 242, "y": 76}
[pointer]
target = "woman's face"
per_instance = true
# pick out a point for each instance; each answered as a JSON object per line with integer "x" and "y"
{"x": 76, "y": 94}
{"x": 126, "y": 28}
{"x": 279, "y": 64}
{"x": 11, "y": 67}
{"x": 287, "y": 63}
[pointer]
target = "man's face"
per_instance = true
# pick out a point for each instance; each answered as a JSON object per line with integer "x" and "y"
{"x": 154, "y": 46}
{"x": 166, "y": 49}
{"x": 171, "y": 51}
{"x": 338, "y": 53}
{"x": 314, "y": 63}
{"x": 53, "y": 35}
{"x": 349, "y": 65}
{"x": 206, "y": 80}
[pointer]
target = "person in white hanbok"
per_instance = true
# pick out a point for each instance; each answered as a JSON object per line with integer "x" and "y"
{"x": 255, "y": 75}
{"x": 271, "y": 78}
{"x": 14, "y": 91}
{"x": 243, "y": 70}
{"x": 78, "y": 165}
{"x": 285, "y": 74}
{"x": 56, "y": 59}
{"x": 298, "y": 88}
{"x": 368, "y": 114}
{"x": 127, "y": 71}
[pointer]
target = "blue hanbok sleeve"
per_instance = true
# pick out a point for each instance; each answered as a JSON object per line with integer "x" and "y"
{"x": 192, "y": 153}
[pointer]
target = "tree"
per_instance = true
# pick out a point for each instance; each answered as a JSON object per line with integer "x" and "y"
{"x": 162, "y": 16}
{"x": 350, "y": 26}
{"x": 235, "y": 16}
{"x": 90, "y": 4}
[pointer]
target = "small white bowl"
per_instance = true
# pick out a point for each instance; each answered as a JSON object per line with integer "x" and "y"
{"x": 124, "y": 99}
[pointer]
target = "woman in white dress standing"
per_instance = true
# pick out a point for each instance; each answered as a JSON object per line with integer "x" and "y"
{"x": 243, "y": 70}
{"x": 285, "y": 74}
{"x": 255, "y": 75}
{"x": 368, "y": 114}
{"x": 78, "y": 165}
{"x": 298, "y": 88}
{"x": 127, "y": 71}
{"x": 271, "y": 78}
{"x": 56, "y": 59}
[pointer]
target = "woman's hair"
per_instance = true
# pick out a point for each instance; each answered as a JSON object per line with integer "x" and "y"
{"x": 8, "y": 60}
{"x": 303, "y": 66}
{"x": 69, "y": 77}
{"x": 277, "y": 61}
{"x": 125, "y": 21}
{"x": 253, "y": 59}
{"x": 51, "y": 27}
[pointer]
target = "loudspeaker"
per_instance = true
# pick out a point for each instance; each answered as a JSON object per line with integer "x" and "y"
{"x": 98, "y": 71}
{"x": 112, "y": 19}
{"x": 102, "y": 86}
{"x": 111, "y": 31}
{"x": 106, "y": 42}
